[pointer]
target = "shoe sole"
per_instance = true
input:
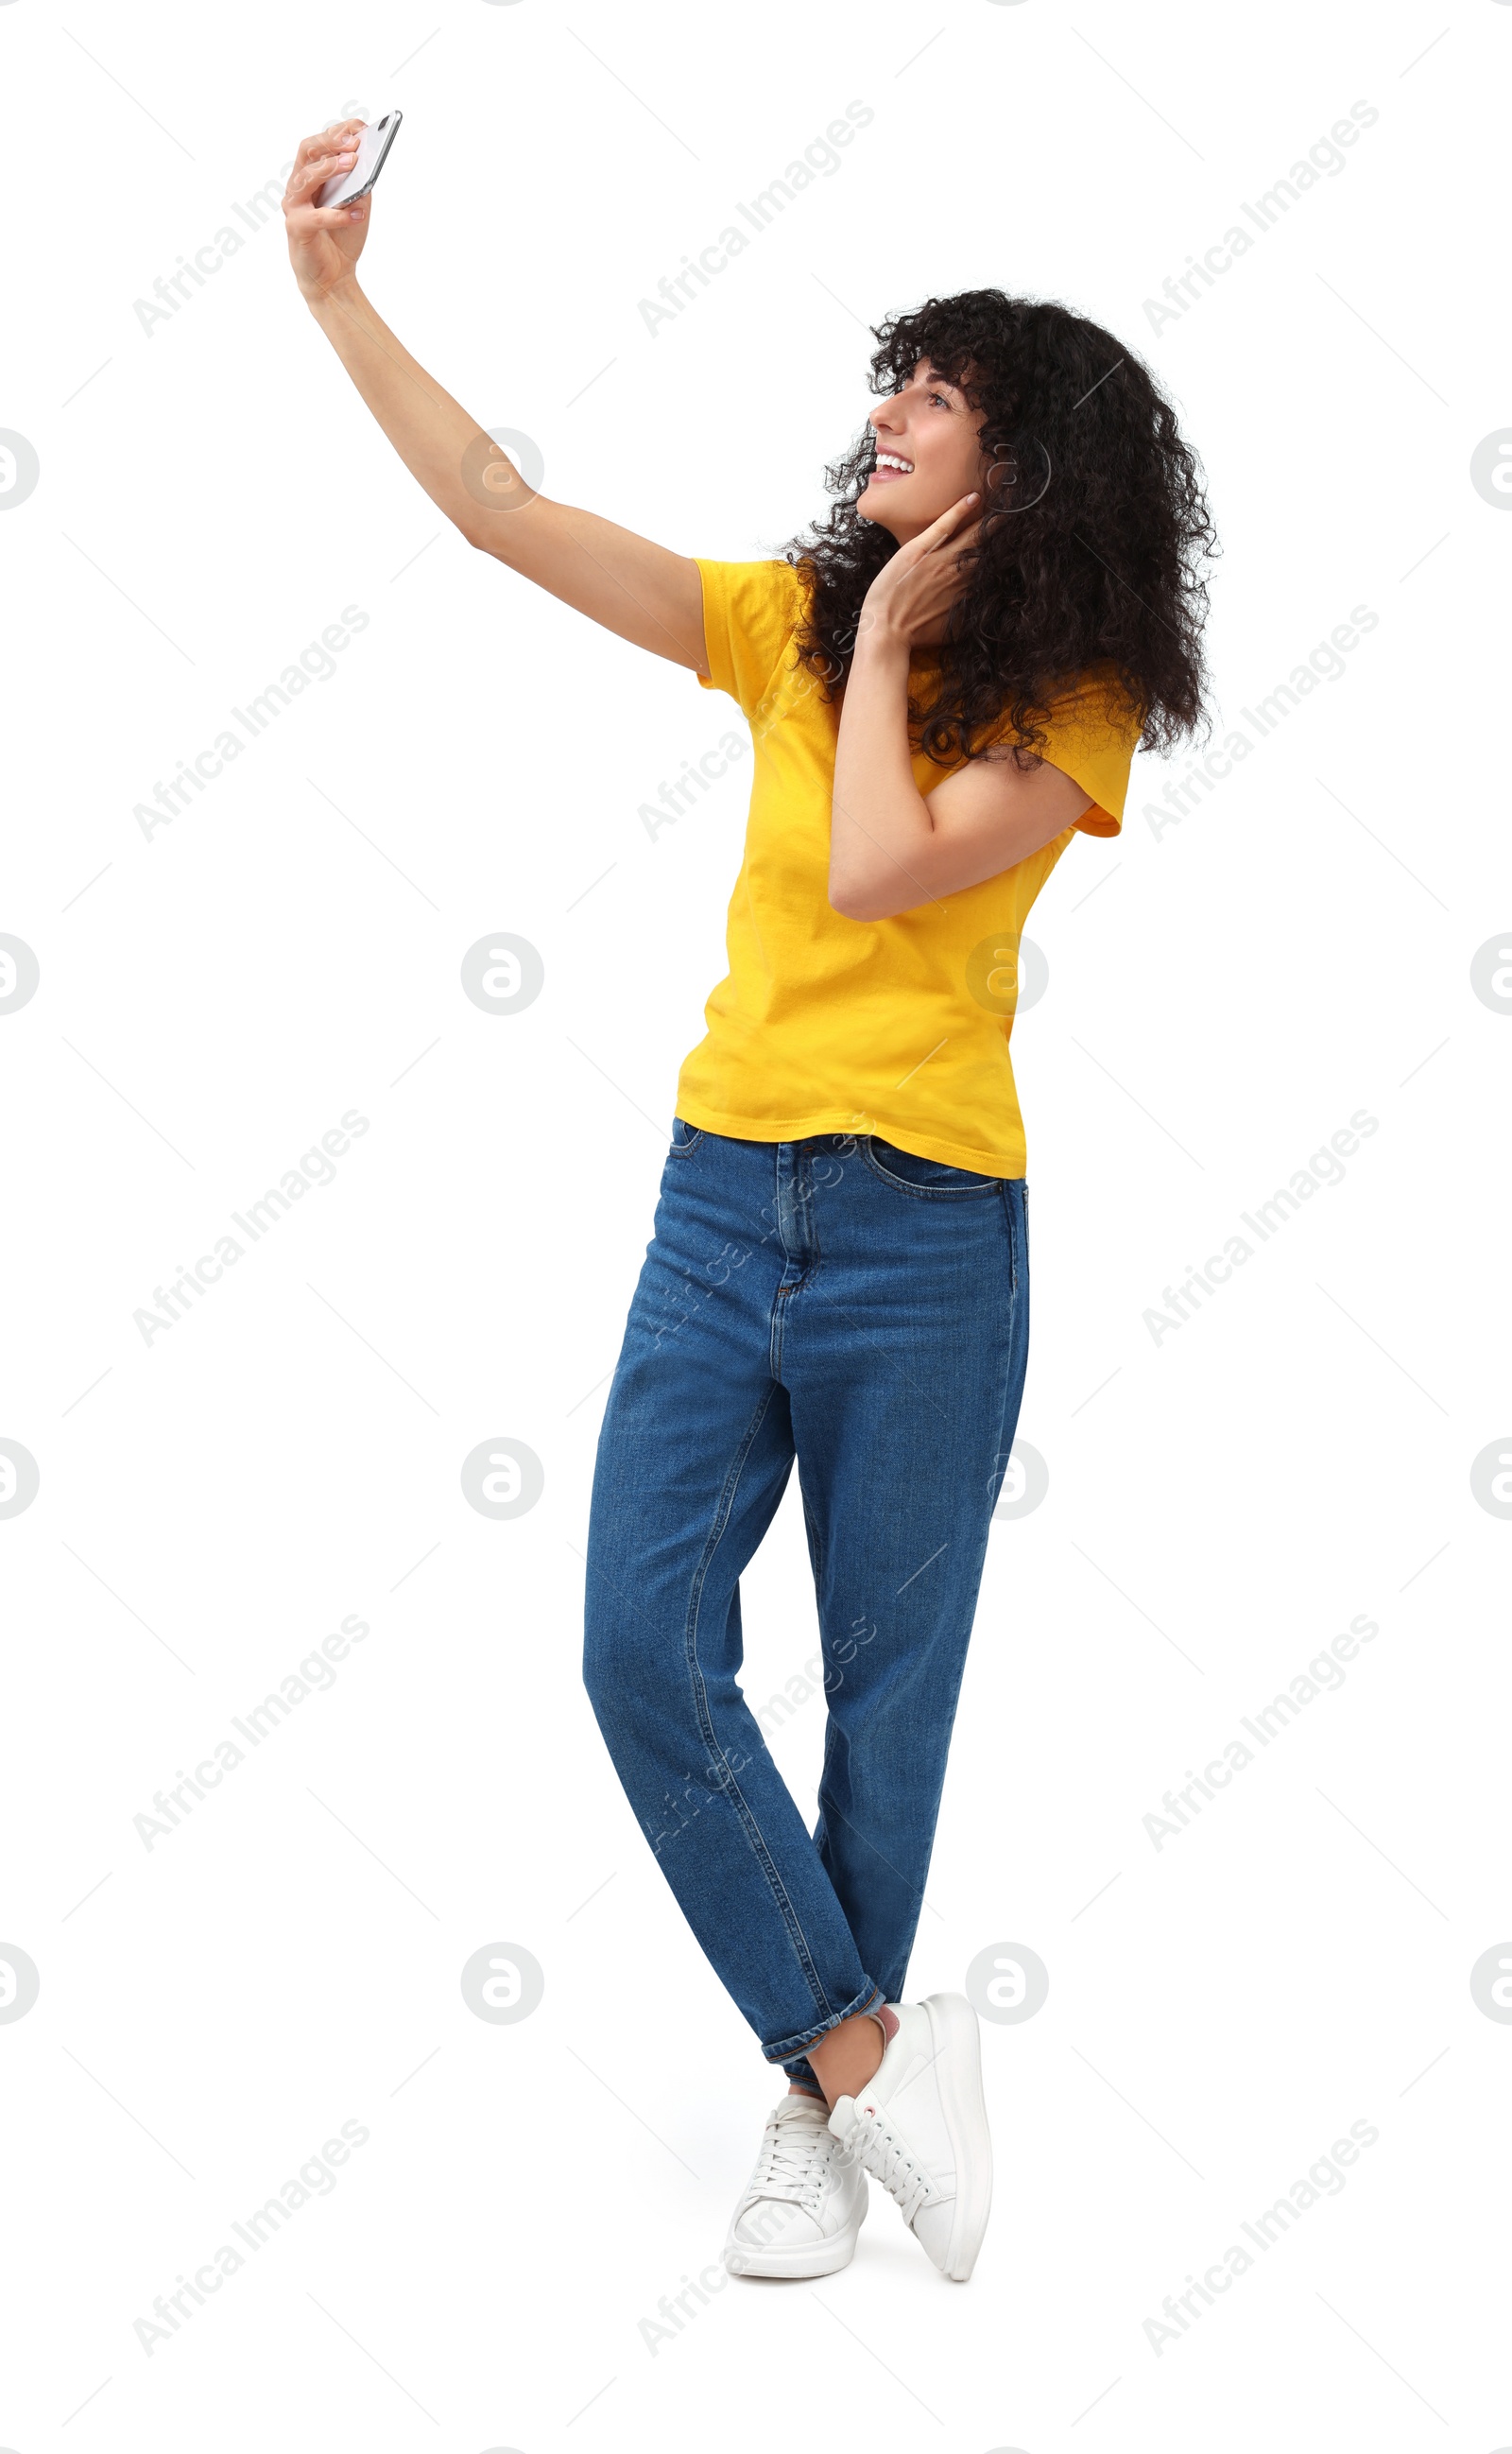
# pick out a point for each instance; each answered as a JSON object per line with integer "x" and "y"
{"x": 958, "y": 2071}
{"x": 806, "y": 2258}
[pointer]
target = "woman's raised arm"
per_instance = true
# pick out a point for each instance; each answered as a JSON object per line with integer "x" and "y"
{"x": 646, "y": 593}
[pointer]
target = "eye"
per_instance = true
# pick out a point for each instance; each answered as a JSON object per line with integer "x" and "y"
{"x": 940, "y": 398}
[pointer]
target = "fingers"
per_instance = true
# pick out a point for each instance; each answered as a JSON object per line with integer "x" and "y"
{"x": 330, "y": 140}
{"x": 319, "y": 169}
{"x": 316, "y": 169}
{"x": 929, "y": 539}
{"x": 948, "y": 521}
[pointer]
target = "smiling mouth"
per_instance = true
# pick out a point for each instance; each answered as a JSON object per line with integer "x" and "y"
{"x": 889, "y": 468}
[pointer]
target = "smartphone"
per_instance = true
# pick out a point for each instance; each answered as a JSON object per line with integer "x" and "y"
{"x": 373, "y": 152}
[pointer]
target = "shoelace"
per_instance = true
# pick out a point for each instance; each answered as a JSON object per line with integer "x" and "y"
{"x": 886, "y": 2156}
{"x": 793, "y": 2164}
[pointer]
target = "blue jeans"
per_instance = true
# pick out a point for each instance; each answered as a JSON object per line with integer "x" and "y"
{"x": 842, "y": 1302}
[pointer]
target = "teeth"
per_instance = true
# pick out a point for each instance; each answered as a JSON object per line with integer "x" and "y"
{"x": 891, "y": 460}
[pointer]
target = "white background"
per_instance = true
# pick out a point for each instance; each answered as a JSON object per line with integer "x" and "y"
{"x": 1223, "y": 994}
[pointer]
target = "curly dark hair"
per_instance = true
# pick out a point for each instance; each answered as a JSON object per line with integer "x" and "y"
{"x": 1092, "y": 546}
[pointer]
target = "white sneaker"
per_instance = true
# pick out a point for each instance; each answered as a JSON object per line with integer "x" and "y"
{"x": 920, "y": 2127}
{"x": 805, "y": 2202}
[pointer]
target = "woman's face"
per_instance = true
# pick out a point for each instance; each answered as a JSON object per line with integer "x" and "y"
{"x": 928, "y": 427}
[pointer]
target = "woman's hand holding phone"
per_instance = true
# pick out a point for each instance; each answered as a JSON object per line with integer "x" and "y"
{"x": 323, "y": 241}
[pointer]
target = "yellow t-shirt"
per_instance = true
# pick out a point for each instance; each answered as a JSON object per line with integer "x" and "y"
{"x": 896, "y": 1027}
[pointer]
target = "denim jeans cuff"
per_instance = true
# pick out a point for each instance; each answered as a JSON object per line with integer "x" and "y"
{"x": 787, "y": 2049}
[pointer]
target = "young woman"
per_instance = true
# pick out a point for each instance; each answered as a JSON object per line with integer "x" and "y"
{"x": 944, "y": 682}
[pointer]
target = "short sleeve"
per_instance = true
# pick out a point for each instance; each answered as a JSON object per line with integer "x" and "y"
{"x": 1091, "y": 734}
{"x": 751, "y": 613}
